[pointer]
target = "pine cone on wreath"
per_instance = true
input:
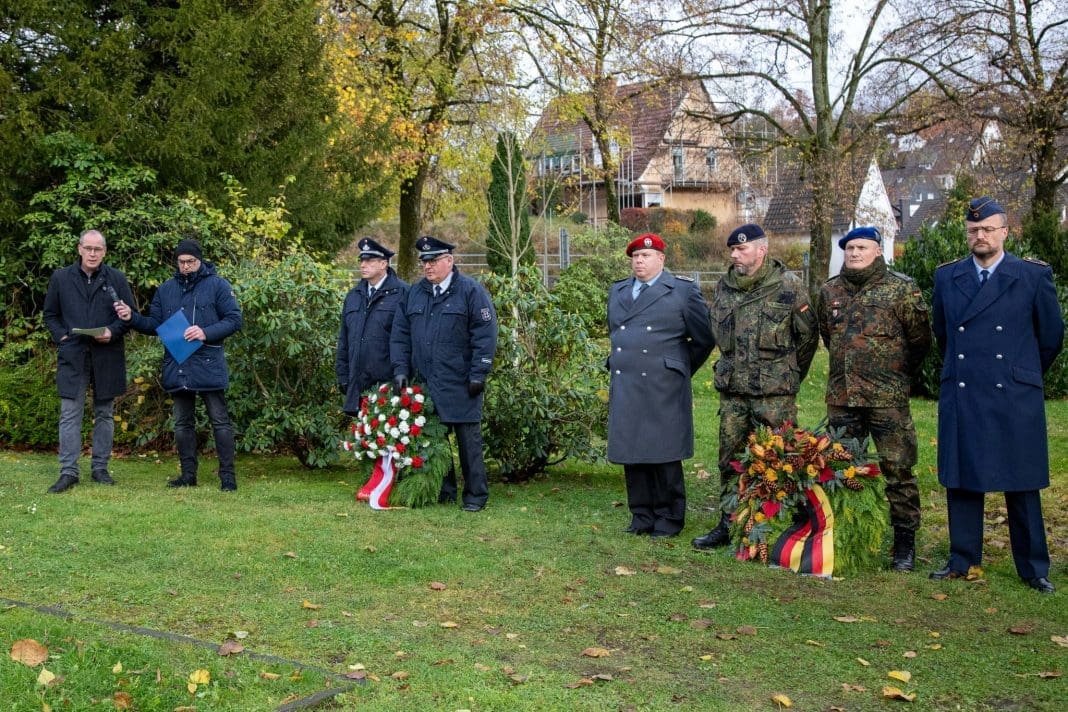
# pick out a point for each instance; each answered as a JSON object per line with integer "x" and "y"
{"x": 854, "y": 485}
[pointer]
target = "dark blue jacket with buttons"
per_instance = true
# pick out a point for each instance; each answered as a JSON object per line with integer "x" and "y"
{"x": 363, "y": 341}
{"x": 446, "y": 342}
{"x": 208, "y": 301}
{"x": 996, "y": 343}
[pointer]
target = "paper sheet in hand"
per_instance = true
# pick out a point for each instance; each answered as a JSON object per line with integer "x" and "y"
{"x": 171, "y": 333}
{"x": 94, "y": 332}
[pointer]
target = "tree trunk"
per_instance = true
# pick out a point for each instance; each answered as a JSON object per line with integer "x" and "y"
{"x": 411, "y": 221}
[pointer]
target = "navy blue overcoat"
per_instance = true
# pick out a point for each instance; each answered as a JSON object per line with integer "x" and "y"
{"x": 996, "y": 343}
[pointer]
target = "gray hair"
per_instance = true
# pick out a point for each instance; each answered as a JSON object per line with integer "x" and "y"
{"x": 94, "y": 233}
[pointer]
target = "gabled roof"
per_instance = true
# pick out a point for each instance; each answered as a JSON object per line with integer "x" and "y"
{"x": 646, "y": 109}
{"x": 791, "y": 205}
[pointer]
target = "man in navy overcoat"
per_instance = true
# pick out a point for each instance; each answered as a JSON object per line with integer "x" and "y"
{"x": 999, "y": 327}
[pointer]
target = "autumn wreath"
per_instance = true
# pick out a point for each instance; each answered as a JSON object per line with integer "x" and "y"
{"x": 401, "y": 431}
{"x": 808, "y": 500}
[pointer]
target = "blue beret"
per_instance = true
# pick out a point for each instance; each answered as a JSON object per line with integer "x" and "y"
{"x": 369, "y": 249}
{"x": 430, "y": 248}
{"x": 745, "y": 233}
{"x": 868, "y": 232}
{"x": 982, "y": 208}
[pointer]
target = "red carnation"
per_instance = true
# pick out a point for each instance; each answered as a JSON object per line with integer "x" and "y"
{"x": 770, "y": 509}
{"x": 364, "y": 445}
{"x": 405, "y": 400}
{"x": 383, "y": 388}
{"x": 417, "y": 462}
{"x": 381, "y": 440}
{"x": 826, "y": 475}
{"x": 381, "y": 402}
{"x": 415, "y": 430}
{"x": 374, "y": 423}
{"x": 400, "y": 447}
{"x": 417, "y": 407}
{"x": 392, "y": 421}
{"x": 416, "y": 389}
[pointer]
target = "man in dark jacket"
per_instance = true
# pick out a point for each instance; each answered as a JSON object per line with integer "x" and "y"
{"x": 999, "y": 328}
{"x": 209, "y": 305}
{"x": 366, "y": 322}
{"x": 80, "y": 297}
{"x": 767, "y": 335}
{"x": 874, "y": 323}
{"x": 445, "y": 334}
{"x": 660, "y": 335}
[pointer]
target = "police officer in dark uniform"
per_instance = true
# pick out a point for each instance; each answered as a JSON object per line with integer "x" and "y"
{"x": 445, "y": 334}
{"x": 660, "y": 335}
{"x": 366, "y": 322}
{"x": 999, "y": 328}
{"x": 875, "y": 324}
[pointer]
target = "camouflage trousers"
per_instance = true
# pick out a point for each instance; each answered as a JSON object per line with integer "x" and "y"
{"x": 739, "y": 416}
{"x": 895, "y": 441}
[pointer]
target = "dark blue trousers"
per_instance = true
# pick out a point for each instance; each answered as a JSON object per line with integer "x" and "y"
{"x": 1027, "y": 533}
{"x": 656, "y": 497}
{"x": 472, "y": 465}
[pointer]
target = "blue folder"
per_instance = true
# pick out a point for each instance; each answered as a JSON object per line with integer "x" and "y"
{"x": 171, "y": 333}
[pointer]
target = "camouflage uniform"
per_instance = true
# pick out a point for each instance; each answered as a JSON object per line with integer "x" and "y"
{"x": 767, "y": 335}
{"x": 875, "y": 325}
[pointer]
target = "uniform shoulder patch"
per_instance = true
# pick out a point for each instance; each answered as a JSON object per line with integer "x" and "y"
{"x": 1036, "y": 261}
{"x": 951, "y": 262}
{"x": 620, "y": 281}
{"x": 684, "y": 278}
{"x": 900, "y": 275}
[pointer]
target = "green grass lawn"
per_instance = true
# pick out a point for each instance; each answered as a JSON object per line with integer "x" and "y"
{"x": 443, "y": 610}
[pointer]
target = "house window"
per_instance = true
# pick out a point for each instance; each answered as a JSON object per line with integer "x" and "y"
{"x": 710, "y": 159}
{"x": 677, "y": 165}
{"x": 598, "y": 161}
{"x": 654, "y": 200}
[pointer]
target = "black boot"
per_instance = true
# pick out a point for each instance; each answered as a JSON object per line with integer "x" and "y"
{"x": 720, "y": 536}
{"x": 183, "y": 481}
{"x": 228, "y": 483}
{"x": 904, "y": 558}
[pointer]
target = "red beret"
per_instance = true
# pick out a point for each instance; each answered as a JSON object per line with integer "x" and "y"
{"x": 648, "y": 241}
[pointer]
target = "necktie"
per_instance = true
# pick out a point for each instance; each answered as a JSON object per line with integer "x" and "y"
{"x": 437, "y": 290}
{"x": 371, "y": 292}
{"x": 984, "y": 274}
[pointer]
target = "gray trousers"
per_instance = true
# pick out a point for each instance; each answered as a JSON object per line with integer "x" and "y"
{"x": 71, "y": 411}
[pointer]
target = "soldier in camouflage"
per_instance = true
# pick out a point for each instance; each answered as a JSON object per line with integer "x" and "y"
{"x": 767, "y": 334}
{"x": 875, "y": 324}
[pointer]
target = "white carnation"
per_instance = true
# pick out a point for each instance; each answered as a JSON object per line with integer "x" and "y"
{"x": 420, "y": 421}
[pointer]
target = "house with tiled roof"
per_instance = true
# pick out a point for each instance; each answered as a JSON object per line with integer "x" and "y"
{"x": 670, "y": 153}
{"x": 862, "y": 200}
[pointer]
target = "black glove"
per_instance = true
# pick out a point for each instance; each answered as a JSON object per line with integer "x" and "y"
{"x": 475, "y": 387}
{"x": 399, "y": 384}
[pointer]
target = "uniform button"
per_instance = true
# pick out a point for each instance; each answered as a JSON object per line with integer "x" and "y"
{"x": 960, "y": 357}
{"x": 619, "y": 348}
{"x": 643, "y": 374}
{"x": 623, "y": 327}
{"x": 617, "y": 371}
{"x": 645, "y": 351}
{"x": 1000, "y": 386}
{"x": 960, "y": 328}
{"x": 999, "y": 356}
{"x": 997, "y": 328}
{"x": 959, "y": 385}
{"x": 649, "y": 328}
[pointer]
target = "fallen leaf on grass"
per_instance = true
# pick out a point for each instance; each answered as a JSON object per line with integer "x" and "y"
{"x": 846, "y": 687}
{"x": 623, "y": 571}
{"x": 893, "y": 693}
{"x": 726, "y": 636}
{"x": 117, "y": 667}
{"x": 902, "y": 675}
{"x": 909, "y": 654}
{"x": 1049, "y": 674}
{"x": 240, "y": 634}
{"x": 230, "y": 647}
{"x": 863, "y": 662}
{"x": 482, "y": 668}
{"x": 939, "y": 596}
{"x": 122, "y": 701}
{"x": 815, "y": 643}
{"x": 356, "y": 675}
{"x": 782, "y": 700}
{"x": 706, "y": 657}
{"x": 706, "y": 604}
{"x": 269, "y": 675}
{"x": 934, "y": 646}
{"x": 518, "y": 679}
{"x": 400, "y": 675}
{"x": 582, "y": 682}
{"x": 200, "y": 677}
{"x": 975, "y": 573}
{"x": 847, "y": 619}
{"x": 602, "y": 677}
{"x": 290, "y": 554}
{"x": 595, "y": 652}
{"x": 1061, "y": 640}
{"x": 45, "y": 677}
{"x": 700, "y": 624}
{"x": 437, "y": 586}
{"x": 28, "y": 652}
{"x": 310, "y": 606}
{"x": 746, "y": 630}
{"x": 1022, "y": 629}
{"x": 443, "y": 661}
{"x": 449, "y": 624}
{"x": 668, "y": 570}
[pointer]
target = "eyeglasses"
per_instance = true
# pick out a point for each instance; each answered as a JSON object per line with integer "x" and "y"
{"x": 92, "y": 250}
{"x": 985, "y": 229}
{"x": 188, "y": 262}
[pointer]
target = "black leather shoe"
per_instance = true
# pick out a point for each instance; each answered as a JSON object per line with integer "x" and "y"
{"x": 1041, "y": 584}
{"x": 473, "y": 507}
{"x": 662, "y": 535}
{"x": 903, "y": 559}
{"x": 227, "y": 483}
{"x": 64, "y": 483}
{"x": 102, "y": 477}
{"x": 183, "y": 482}
{"x": 946, "y": 574}
{"x": 637, "y": 531}
{"x": 720, "y": 536}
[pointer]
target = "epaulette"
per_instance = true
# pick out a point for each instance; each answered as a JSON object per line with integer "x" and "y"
{"x": 1034, "y": 260}
{"x": 625, "y": 279}
{"x": 951, "y": 262}
{"x": 901, "y": 275}
{"x": 684, "y": 278}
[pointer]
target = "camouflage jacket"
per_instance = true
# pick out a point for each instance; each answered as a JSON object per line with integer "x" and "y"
{"x": 766, "y": 334}
{"x": 877, "y": 335}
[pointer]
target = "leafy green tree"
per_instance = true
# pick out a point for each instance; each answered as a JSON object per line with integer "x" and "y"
{"x": 508, "y": 245}
{"x": 191, "y": 91}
